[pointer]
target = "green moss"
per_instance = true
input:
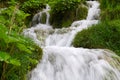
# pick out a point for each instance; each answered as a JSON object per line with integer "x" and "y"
{"x": 102, "y": 35}
{"x": 18, "y": 55}
{"x": 81, "y": 12}
{"x": 43, "y": 18}
{"x": 64, "y": 18}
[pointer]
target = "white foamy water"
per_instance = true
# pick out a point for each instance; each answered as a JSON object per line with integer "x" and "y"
{"x": 68, "y": 63}
{"x": 61, "y": 61}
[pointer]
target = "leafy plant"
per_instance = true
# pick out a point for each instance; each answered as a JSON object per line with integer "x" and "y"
{"x": 61, "y": 6}
{"x": 18, "y": 55}
{"x": 33, "y": 6}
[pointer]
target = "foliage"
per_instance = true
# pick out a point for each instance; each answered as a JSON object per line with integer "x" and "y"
{"x": 109, "y": 3}
{"x": 33, "y": 6}
{"x": 110, "y": 9}
{"x": 102, "y": 35}
{"x": 18, "y": 54}
{"x": 13, "y": 18}
{"x": 111, "y": 13}
{"x": 81, "y": 12}
{"x": 61, "y": 6}
{"x": 64, "y": 12}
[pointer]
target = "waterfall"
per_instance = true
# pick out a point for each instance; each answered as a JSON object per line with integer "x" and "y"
{"x": 61, "y": 61}
{"x": 37, "y": 18}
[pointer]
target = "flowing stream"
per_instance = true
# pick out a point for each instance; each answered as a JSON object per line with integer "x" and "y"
{"x": 61, "y": 61}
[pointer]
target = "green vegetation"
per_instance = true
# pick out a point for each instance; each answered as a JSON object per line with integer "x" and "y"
{"x": 110, "y": 9}
{"x": 33, "y": 6}
{"x": 104, "y": 35}
{"x": 111, "y": 14}
{"x": 30, "y": 7}
{"x": 43, "y": 18}
{"x": 18, "y": 55}
{"x": 64, "y": 12}
{"x": 3, "y": 3}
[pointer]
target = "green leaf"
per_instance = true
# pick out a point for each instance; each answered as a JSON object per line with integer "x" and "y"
{"x": 4, "y": 56}
{"x": 15, "y": 62}
{"x": 33, "y": 61}
{"x": 3, "y": 29}
{"x": 22, "y": 47}
{"x": 11, "y": 39}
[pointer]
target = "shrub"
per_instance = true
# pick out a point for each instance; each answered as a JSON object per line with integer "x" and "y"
{"x": 33, "y": 6}
{"x": 61, "y": 6}
{"x": 102, "y": 35}
{"x": 18, "y": 55}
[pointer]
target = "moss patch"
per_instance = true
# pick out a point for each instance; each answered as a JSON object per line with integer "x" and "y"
{"x": 43, "y": 18}
{"x": 59, "y": 20}
{"x": 103, "y": 35}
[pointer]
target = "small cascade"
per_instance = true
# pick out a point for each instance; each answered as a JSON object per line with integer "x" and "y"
{"x": 61, "y": 61}
{"x": 38, "y": 32}
{"x": 93, "y": 13}
{"x": 38, "y": 17}
{"x": 68, "y": 63}
{"x": 64, "y": 36}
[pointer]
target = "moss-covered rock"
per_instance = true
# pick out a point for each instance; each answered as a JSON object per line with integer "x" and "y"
{"x": 43, "y": 18}
{"x": 103, "y": 35}
{"x": 81, "y": 12}
{"x": 63, "y": 13}
{"x": 59, "y": 20}
{"x": 62, "y": 20}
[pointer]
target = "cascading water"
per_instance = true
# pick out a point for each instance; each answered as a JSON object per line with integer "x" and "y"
{"x": 61, "y": 61}
{"x": 37, "y": 18}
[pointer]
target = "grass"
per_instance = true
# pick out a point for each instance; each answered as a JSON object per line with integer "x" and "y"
{"x": 104, "y": 35}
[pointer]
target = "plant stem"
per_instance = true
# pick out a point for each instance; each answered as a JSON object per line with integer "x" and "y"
{"x": 4, "y": 70}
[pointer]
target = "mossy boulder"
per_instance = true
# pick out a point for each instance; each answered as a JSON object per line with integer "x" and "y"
{"x": 43, "y": 18}
{"x": 81, "y": 12}
{"x": 63, "y": 13}
{"x": 62, "y": 20}
{"x": 104, "y": 35}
